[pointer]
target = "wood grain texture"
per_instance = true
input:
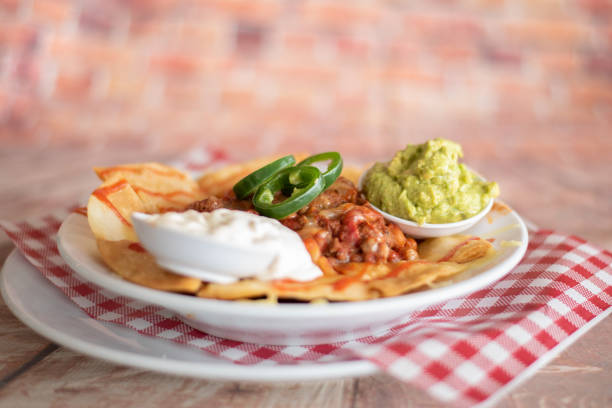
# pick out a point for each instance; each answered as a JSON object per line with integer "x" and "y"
{"x": 78, "y": 381}
{"x": 18, "y": 344}
{"x": 558, "y": 181}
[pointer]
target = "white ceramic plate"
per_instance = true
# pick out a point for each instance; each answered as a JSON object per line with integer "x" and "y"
{"x": 297, "y": 324}
{"x": 41, "y": 306}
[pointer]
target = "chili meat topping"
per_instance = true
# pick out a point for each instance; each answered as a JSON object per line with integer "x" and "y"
{"x": 339, "y": 220}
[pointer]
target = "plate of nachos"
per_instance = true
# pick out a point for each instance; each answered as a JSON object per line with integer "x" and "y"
{"x": 372, "y": 274}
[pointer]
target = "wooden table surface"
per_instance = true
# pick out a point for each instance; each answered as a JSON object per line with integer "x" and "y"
{"x": 560, "y": 182}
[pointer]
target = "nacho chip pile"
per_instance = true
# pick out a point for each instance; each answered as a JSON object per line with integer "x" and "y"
{"x": 155, "y": 188}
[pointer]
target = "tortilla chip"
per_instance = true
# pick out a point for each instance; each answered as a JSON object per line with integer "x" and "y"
{"x": 352, "y": 173}
{"x": 354, "y": 284}
{"x": 160, "y": 187}
{"x": 146, "y": 187}
{"x": 454, "y": 248}
{"x": 363, "y": 281}
{"x": 109, "y": 209}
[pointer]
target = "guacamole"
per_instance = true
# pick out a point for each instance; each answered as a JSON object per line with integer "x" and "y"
{"x": 425, "y": 183}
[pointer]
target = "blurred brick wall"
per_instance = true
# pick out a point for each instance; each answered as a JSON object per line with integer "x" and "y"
{"x": 290, "y": 74}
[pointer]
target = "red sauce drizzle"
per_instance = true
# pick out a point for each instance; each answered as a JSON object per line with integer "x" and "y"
{"x": 288, "y": 284}
{"x": 453, "y": 251}
{"x": 139, "y": 170}
{"x": 501, "y": 208}
{"x": 135, "y": 246}
{"x": 103, "y": 193}
{"x": 167, "y": 196}
{"x": 346, "y": 282}
{"x": 80, "y": 210}
{"x": 401, "y": 268}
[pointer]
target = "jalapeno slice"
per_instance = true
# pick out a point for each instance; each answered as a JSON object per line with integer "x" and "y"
{"x": 305, "y": 183}
{"x": 334, "y": 168}
{"x": 249, "y": 184}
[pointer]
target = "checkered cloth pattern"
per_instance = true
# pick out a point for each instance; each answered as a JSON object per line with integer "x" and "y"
{"x": 466, "y": 351}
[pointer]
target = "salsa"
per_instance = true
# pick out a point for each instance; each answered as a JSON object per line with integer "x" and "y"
{"x": 426, "y": 183}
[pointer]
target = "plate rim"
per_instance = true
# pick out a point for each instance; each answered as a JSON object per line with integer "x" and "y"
{"x": 406, "y": 302}
{"x": 223, "y": 370}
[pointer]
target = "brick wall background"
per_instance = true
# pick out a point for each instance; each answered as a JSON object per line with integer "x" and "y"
{"x": 282, "y": 75}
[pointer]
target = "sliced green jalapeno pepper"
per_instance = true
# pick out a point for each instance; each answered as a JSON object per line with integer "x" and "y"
{"x": 305, "y": 183}
{"x": 334, "y": 168}
{"x": 250, "y": 183}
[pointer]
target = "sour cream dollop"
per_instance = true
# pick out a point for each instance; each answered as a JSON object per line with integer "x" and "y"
{"x": 225, "y": 245}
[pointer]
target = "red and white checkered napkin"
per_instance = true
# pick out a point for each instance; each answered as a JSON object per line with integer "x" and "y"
{"x": 464, "y": 351}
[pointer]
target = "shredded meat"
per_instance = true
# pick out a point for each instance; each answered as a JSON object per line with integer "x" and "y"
{"x": 214, "y": 203}
{"x": 346, "y": 229}
{"x": 339, "y": 220}
{"x": 341, "y": 191}
{"x": 354, "y": 233}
